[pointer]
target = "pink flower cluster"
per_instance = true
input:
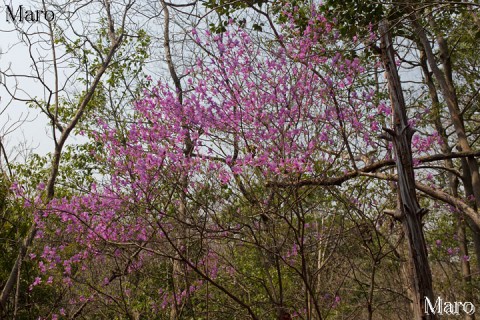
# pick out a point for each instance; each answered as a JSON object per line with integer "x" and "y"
{"x": 248, "y": 114}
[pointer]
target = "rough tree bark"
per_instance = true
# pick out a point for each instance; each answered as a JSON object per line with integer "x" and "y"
{"x": 411, "y": 213}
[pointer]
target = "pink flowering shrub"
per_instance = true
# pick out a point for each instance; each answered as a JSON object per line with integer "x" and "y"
{"x": 187, "y": 181}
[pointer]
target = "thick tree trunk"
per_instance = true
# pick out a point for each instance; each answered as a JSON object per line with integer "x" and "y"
{"x": 412, "y": 214}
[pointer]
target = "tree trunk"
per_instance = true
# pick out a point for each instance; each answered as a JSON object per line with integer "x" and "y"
{"x": 445, "y": 81}
{"x": 411, "y": 216}
{"x": 461, "y": 232}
